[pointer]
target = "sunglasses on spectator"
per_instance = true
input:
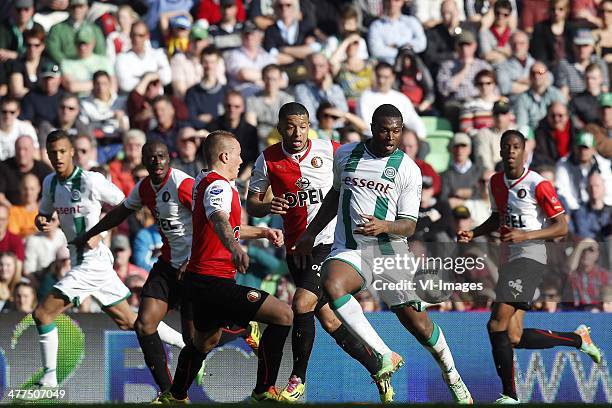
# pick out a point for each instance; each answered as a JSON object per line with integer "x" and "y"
{"x": 22, "y": 9}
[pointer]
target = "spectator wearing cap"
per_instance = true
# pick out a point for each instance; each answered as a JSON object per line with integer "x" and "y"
{"x": 584, "y": 106}
{"x": 40, "y": 103}
{"x": 14, "y": 169}
{"x": 495, "y": 40}
{"x": 122, "y": 251}
{"x": 487, "y": 140}
{"x": 413, "y": 147}
{"x": 570, "y": 74}
{"x": 68, "y": 112}
{"x": 186, "y": 67}
{"x": 554, "y": 135}
{"x": 531, "y": 106}
{"x": 513, "y": 73}
{"x": 461, "y": 180}
{"x": 212, "y": 10}
{"x": 554, "y": 35}
{"x": 245, "y": 64}
{"x": 574, "y": 170}
{"x": 262, "y": 108}
{"x": 227, "y": 32}
{"x": 12, "y": 44}
{"x": 462, "y": 221}
{"x": 61, "y": 41}
{"x": 9, "y": 242}
{"x": 594, "y": 218}
{"x": 603, "y": 130}
{"x": 393, "y": 31}
{"x": 205, "y": 99}
{"x": 177, "y": 36}
{"x": 159, "y": 10}
{"x": 434, "y": 216}
{"x": 477, "y": 113}
{"x": 11, "y": 128}
{"x": 23, "y": 73}
{"x": 141, "y": 59}
{"x": 441, "y": 39}
{"x": 383, "y": 92}
{"x": 121, "y": 169}
{"x": 77, "y": 73}
{"x": 118, "y": 41}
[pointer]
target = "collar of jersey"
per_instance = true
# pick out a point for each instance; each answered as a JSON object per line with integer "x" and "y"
{"x": 514, "y": 183}
{"x": 72, "y": 175}
{"x": 163, "y": 183}
{"x": 365, "y": 145}
{"x": 303, "y": 155}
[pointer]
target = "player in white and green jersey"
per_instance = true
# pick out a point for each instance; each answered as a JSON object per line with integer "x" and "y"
{"x": 77, "y": 196}
{"x": 376, "y": 196}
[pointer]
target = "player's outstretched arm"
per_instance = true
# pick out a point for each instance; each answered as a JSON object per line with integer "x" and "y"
{"x": 225, "y": 232}
{"x": 257, "y": 207}
{"x": 557, "y": 228}
{"x": 275, "y": 236}
{"x": 487, "y": 227}
{"x": 115, "y": 217}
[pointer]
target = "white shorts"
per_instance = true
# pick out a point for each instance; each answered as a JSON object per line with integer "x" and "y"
{"x": 393, "y": 285}
{"x": 95, "y": 277}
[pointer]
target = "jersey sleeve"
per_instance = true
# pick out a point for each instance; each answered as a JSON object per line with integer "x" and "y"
{"x": 46, "y": 202}
{"x": 410, "y": 196}
{"x": 133, "y": 201}
{"x": 185, "y": 192}
{"x": 492, "y": 202}
{"x": 218, "y": 197}
{"x": 547, "y": 199}
{"x": 105, "y": 191}
{"x": 259, "y": 178}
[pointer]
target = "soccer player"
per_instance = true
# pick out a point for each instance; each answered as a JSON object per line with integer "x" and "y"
{"x": 298, "y": 171}
{"x": 77, "y": 197}
{"x": 167, "y": 193}
{"x": 526, "y": 210}
{"x": 210, "y": 288}
{"x": 376, "y": 196}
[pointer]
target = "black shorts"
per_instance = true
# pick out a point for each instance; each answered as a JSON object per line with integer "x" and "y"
{"x": 518, "y": 281}
{"x": 163, "y": 284}
{"x": 309, "y": 278}
{"x": 220, "y": 302}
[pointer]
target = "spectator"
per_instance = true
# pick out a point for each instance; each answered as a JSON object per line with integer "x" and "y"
{"x": 119, "y": 41}
{"x": 23, "y": 72}
{"x": 442, "y": 38}
{"x": 481, "y": 12}
{"x": 554, "y": 35}
{"x": 429, "y": 11}
{"x": 15, "y": 168}
{"x": 211, "y": 10}
{"x": 68, "y": 112}
{"x": 573, "y": 171}
{"x": 163, "y": 10}
{"x": 289, "y": 38}
{"x": 205, "y": 100}
{"x": 415, "y": 81}
{"x": 141, "y": 59}
{"x": 585, "y": 13}
{"x": 531, "y": 106}
{"x": 495, "y": 40}
{"x": 594, "y": 218}
{"x": 262, "y": 108}
{"x": 336, "y": 47}
{"x": 8, "y": 241}
{"x": 77, "y": 73}
{"x": 121, "y": 170}
{"x": 387, "y": 35}
{"x": 587, "y": 278}
{"x": 434, "y": 216}
{"x": 411, "y": 145}
{"x": 40, "y": 103}
{"x": 571, "y": 70}
{"x": 177, "y": 34}
{"x": 24, "y": 298}
{"x": 187, "y": 159}
{"x": 584, "y": 106}
{"x": 10, "y": 276}
{"x": 350, "y": 135}
{"x": 477, "y": 113}
{"x": 513, "y": 73}
{"x": 226, "y": 33}
{"x": 554, "y": 136}
{"x": 480, "y": 207}
{"x": 487, "y": 140}
{"x": 85, "y": 152}
{"x": 21, "y": 217}
{"x": 603, "y": 132}
{"x": 461, "y": 181}
{"x": 139, "y": 101}
{"x": 606, "y": 297}
{"x": 233, "y": 121}
{"x": 147, "y": 246}
{"x": 120, "y": 246}
{"x": 42, "y": 247}
{"x": 61, "y": 43}
{"x": 12, "y": 29}
{"x": 245, "y": 64}
{"x": 168, "y": 125}
{"x": 331, "y": 119}
{"x": 532, "y": 13}
{"x": 604, "y": 34}
{"x": 104, "y": 111}
{"x": 11, "y": 128}
{"x": 186, "y": 68}
{"x": 384, "y": 78}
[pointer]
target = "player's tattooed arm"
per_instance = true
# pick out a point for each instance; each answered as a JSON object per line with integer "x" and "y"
{"x": 225, "y": 232}
{"x": 275, "y": 236}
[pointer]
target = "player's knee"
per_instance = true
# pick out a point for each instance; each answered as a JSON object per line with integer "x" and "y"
{"x": 40, "y": 316}
{"x": 124, "y": 324}
{"x": 144, "y": 328}
{"x": 285, "y": 316}
{"x": 303, "y": 304}
{"x": 515, "y": 338}
{"x": 494, "y": 326}
{"x": 334, "y": 289}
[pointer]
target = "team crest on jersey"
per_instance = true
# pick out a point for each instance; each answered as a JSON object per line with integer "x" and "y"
{"x": 253, "y": 296}
{"x": 75, "y": 195}
{"x": 316, "y": 162}
{"x": 522, "y": 193}
{"x": 390, "y": 173}
{"x": 166, "y": 196}
{"x": 302, "y": 183}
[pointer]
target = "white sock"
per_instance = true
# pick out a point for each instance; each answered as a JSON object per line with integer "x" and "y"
{"x": 48, "y": 346}
{"x": 349, "y": 311}
{"x": 441, "y": 353}
{"x": 170, "y": 336}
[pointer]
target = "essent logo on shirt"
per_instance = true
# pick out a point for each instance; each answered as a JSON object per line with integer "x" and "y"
{"x": 369, "y": 184}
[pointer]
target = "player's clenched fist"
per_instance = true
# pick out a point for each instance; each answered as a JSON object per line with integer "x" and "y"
{"x": 279, "y": 205}
{"x": 240, "y": 258}
{"x": 465, "y": 236}
{"x": 371, "y": 226}
{"x": 275, "y": 236}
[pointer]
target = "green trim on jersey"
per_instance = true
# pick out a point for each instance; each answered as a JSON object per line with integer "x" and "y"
{"x": 80, "y": 228}
{"x": 354, "y": 158}
{"x": 76, "y": 185}
{"x": 394, "y": 161}
{"x": 380, "y": 212}
{"x": 349, "y": 239}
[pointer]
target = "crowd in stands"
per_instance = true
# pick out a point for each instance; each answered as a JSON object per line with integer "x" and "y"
{"x": 117, "y": 73}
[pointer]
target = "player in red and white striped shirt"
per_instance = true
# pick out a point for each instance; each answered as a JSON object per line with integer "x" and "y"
{"x": 526, "y": 210}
